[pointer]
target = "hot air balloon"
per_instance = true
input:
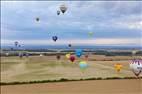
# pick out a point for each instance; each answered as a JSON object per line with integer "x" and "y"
{"x": 118, "y": 67}
{"x": 55, "y": 38}
{"x": 83, "y": 65}
{"x": 78, "y": 52}
{"x": 19, "y": 45}
{"x": 58, "y": 12}
{"x": 63, "y": 8}
{"x": 86, "y": 56}
{"x": 136, "y": 67}
{"x": 41, "y": 55}
{"x": 37, "y": 19}
{"x": 68, "y": 56}
{"x": 7, "y": 54}
{"x": 72, "y": 58}
{"x": 11, "y": 49}
{"x": 27, "y": 55}
{"x": 58, "y": 57}
{"x": 90, "y": 33}
{"x": 69, "y": 45}
{"x": 20, "y": 55}
{"x": 16, "y": 43}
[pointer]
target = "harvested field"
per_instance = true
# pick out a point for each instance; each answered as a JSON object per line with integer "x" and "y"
{"x": 80, "y": 87}
{"x": 49, "y": 68}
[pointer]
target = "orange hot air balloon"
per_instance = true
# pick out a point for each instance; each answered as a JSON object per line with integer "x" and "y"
{"x": 118, "y": 67}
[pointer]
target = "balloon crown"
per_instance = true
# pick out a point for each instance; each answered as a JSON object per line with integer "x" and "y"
{"x": 137, "y": 61}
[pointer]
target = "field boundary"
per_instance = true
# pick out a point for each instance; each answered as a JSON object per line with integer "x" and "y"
{"x": 66, "y": 80}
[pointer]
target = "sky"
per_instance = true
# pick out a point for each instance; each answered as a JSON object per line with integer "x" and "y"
{"x": 116, "y": 23}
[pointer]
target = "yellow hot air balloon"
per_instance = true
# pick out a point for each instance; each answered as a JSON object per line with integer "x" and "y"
{"x": 68, "y": 56}
{"x": 118, "y": 67}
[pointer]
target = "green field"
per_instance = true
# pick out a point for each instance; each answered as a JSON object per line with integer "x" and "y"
{"x": 49, "y": 68}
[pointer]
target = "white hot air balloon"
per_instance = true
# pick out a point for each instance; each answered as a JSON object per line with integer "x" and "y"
{"x": 136, "y": 67}
{"x": 63, "y": 8}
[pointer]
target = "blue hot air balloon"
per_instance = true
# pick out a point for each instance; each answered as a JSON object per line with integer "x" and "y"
{"x": 78, "y": 52}
{"x": 55, "y": 38}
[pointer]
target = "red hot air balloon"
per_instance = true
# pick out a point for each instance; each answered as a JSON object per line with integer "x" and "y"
{"x": 72, "y": 58}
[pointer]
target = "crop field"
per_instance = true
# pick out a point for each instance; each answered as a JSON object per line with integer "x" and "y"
{"x": 124, "y": 86}
{"x": 37, "y": 68}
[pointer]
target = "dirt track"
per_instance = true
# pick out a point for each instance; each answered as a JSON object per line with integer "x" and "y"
{"x": 80, "y": 87}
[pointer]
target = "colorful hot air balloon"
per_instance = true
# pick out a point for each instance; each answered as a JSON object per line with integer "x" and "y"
{"x": 68, "y": 56}
{"x": 63, "y": 8}
{"x": 72, "y": 58}
{"x": 78, "y": 52}
{"x": 118, "y": 67}
{"x": 136, "y": 67}
{"x": 58, "y": 12}
{"x": 83, "y": 65}
{"x": 55, "y": 38}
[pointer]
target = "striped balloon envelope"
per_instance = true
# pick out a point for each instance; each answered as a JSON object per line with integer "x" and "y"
{"x": 136, "y": 66}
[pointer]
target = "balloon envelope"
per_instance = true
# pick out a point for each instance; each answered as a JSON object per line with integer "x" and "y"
{"x": 72, "y": 58}
{"x": 58, "y": 57}
{"x": 16, "y": 43}
{"x": 78, "y": 52}
{"x": 90, "y": 33}
{"x": 63, "y": 8}
{"x": 41, "y": 55}
{"x": 86, "y": 56}
{"x": 20, "y": 55}
{"x": 55, "y": 38}
{"x": 68, "y": 56}
{"x": 118, "y": 67}
{"x": 136, "y": 67}
{"x": 7, "y": 54}
{"x": 69, "y": 45}
{"x": 83, "y": 65}
{"x": 37, "y": 19}
{"x": 58, "y": 12}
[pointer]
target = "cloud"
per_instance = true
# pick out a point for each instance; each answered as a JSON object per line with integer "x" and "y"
{"x": 121, "y": 19}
